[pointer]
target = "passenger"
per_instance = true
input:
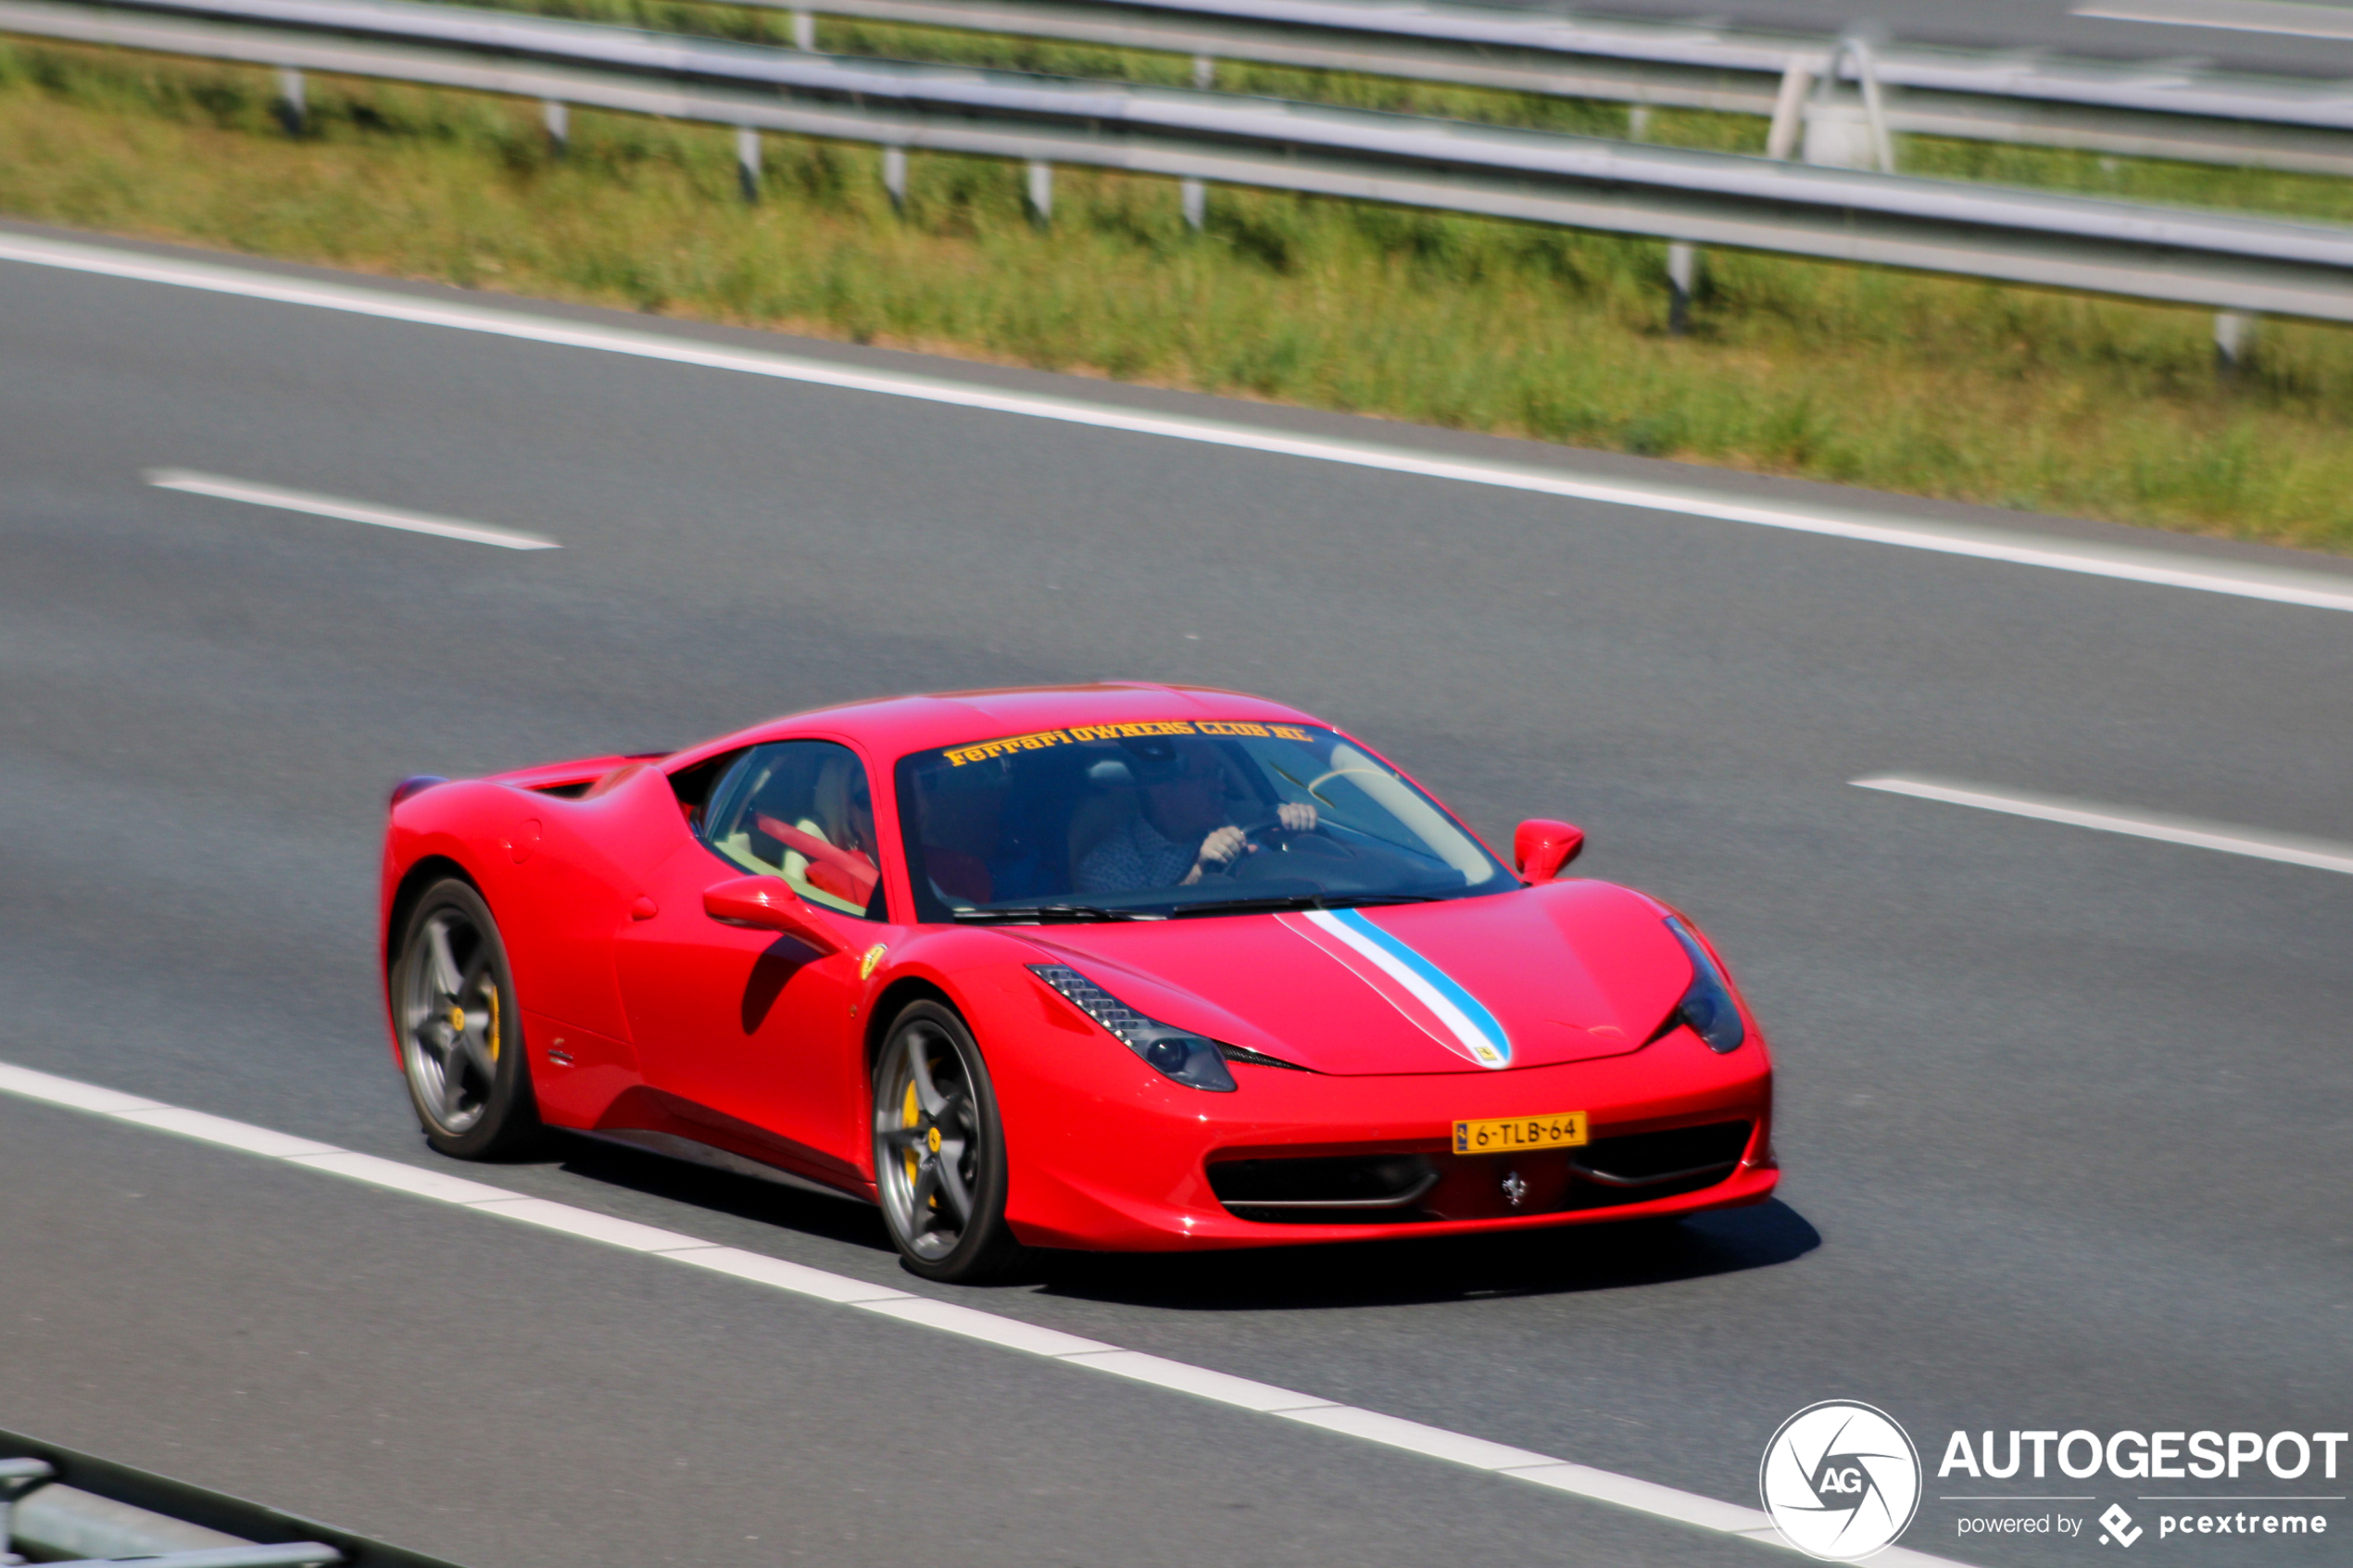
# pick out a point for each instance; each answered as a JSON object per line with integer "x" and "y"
{"x": 833, "y": 848}
{"x": 1181, "y": 834}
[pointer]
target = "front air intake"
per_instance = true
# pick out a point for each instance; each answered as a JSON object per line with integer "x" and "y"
{"x": 1373, "y": 1187}
{"x": 1657, "y": 1160}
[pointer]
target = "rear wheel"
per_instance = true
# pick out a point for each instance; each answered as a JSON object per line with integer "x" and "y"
{"x": 940, "y": 1150}
{"x": 453, "y": 1001}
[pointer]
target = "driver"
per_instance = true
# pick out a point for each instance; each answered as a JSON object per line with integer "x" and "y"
{"x": 1181, "y": 834}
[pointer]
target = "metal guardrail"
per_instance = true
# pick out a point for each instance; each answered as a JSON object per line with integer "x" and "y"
{"x": 2233, "y": 264}
{"x": 74, "y": 1510}
{"x": 2141, "y": 111}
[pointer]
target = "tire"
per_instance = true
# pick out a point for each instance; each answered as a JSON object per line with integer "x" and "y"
{"x": 939, "y": 1151}
{"x": 460, "y": 1033}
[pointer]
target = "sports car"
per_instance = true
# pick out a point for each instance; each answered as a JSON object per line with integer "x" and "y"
{"x": 1120, "y": 966}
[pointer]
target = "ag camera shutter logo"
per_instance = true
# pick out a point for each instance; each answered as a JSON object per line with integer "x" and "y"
{"x": 1840, "y": 1480}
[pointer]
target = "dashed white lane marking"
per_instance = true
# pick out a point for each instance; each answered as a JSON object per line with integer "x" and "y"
{"x": 947, "y": 1317}
{"x": 2129, "y": 563}
{"x": 287, "y": 500}
{"x": 2319, "y": 854}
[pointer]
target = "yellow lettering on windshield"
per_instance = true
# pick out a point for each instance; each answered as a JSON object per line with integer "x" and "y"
{"x": 982, "y": 751}
{"x": 987, "y": 749}
{"x": 1132, "y": 732}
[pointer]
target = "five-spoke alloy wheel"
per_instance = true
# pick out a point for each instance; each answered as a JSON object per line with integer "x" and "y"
{"x": 461, "y": 1036}
{"x": 940, "y": 1150}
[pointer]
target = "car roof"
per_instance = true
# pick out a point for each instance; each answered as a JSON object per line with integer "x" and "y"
{"x": 895, "y": 726}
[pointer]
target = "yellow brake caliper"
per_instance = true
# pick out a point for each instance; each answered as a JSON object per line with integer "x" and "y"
{"x": 909, "y": 1114}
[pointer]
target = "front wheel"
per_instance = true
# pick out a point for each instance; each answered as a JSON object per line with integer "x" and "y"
{"x": 453, "y": 1005}
{"x": 940, "y": 1150}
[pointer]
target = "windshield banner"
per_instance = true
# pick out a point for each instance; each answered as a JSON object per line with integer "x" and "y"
{"x": 957, "y": 756}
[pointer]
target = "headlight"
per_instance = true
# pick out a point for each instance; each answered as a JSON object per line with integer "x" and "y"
{"x": 1191, "y": 1059}
{"x": 1707, "y": 1007}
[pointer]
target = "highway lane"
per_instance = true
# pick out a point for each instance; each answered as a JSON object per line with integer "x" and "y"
{"x": 505, "y": 1398}
{"x": 2063, "y": 1114}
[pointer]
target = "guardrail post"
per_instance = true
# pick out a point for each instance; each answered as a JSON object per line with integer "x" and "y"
{"x": 1682, "y": 277}
{"x": 1829, "y": 140}
{"x": 1204, "y": 73}
{"x": 747, "y": 161}
{"x": 2233, "y": 341}
{"x": 895, "y": 177}
{"x": 289, "y": 105}
{"x": 1874, "y": 104}
{"x": 1041, "y": 191}
{"x": 1789, "y": 110}
{"x": 1638, "y": 124}
{"x": 559, "y": 126}
{"x": 1193, "y": 196}
{"x": 805, "y": 32}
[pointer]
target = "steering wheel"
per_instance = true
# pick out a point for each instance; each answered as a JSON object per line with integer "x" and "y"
{"x": 1267, "y": 844}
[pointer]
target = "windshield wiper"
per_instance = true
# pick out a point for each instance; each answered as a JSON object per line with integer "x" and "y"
{"x": 1073, "y": 912}
{"x": 1299, "y": 901}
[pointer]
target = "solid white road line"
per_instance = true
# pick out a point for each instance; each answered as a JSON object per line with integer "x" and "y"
{"x": 244, "y": 490}
{"x": 2318, "y": 853}
{"x": 2131, "y": 563}
{"x": 1224, "y": 1387}
{"x": 1389, "y": 1431}
{"x": 588, "y": 1225}
{"x": 798, "y": 1278}
{"x": 2235, "y": 15}
{"x": 221, "y": 1130}
{"x": 1413, "y": 1437}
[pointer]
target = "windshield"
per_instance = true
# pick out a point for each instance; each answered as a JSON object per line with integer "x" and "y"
{"x": 1179, "y": 817}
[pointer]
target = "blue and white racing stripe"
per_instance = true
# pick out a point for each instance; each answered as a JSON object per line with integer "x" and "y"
{"x": 1476, "y": 1031}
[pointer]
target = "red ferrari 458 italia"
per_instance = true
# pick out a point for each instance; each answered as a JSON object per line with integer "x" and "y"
{"x": 1112, "y": 966}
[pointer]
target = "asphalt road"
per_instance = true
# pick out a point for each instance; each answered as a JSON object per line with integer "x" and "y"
{"x": 2064, "y": 1115}
{"x": 2014, "y": 24}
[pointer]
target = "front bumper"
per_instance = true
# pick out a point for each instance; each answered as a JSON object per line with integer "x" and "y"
{"x": 1108, "y": 1157}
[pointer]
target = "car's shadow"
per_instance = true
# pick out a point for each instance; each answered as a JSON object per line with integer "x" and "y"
{"x": 746, "y": 1198}
{"x": 1546, "y": 1263}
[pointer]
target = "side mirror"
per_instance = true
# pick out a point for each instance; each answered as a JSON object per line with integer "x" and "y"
{"x": 768, "y": 903}
{"x": 1541, "y": 847}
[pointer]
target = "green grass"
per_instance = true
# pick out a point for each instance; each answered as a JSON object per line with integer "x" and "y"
{"x": 1923, "y": 385}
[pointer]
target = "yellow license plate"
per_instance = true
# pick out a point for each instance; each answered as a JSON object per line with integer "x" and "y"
{"x": 1563, "y": 1129}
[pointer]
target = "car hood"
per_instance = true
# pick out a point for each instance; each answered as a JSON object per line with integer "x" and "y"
{"x": 1534, "y": 977}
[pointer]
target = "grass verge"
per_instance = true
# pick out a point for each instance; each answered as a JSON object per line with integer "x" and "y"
{"x": 1929, "y": 386}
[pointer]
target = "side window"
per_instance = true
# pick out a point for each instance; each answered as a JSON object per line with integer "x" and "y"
{"x": 695, "y": 787}
{"x": 802, "y": 809}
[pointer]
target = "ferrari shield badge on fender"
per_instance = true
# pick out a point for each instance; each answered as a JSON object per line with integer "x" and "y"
{"x": 872, "y": 961}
